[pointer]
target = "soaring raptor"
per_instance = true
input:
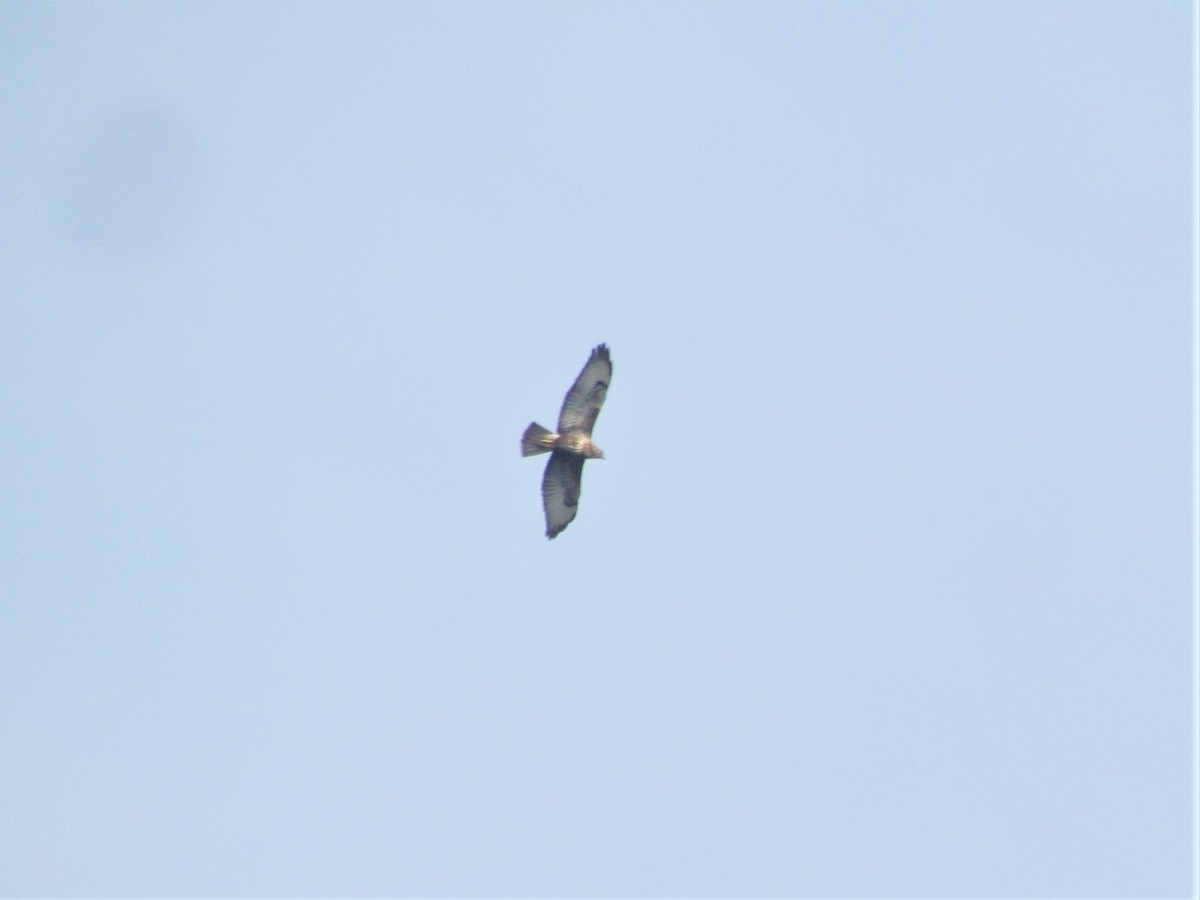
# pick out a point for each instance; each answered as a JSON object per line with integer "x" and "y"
{"x": 572, "y": 445}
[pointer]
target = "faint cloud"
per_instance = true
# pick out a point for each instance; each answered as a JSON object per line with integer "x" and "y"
{"x": 137, "y": 188}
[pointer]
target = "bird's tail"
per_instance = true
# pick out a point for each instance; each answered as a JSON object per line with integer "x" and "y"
{"x": 534, "y": 440}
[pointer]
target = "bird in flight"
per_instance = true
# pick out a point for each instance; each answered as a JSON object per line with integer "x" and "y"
{"x": 572, "y": 445}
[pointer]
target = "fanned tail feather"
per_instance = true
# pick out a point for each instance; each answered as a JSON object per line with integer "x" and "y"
{"x": 532, "y": 440}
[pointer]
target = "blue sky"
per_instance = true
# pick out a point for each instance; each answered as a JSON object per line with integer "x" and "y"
{"x": 885, "y": 587}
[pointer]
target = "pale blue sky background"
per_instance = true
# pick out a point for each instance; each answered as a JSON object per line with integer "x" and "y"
{"x": 884, "y": 588}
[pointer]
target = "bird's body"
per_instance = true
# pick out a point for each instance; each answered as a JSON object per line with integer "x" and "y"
{"x": 572, "y": 444}
{"x": 538, "y": 440}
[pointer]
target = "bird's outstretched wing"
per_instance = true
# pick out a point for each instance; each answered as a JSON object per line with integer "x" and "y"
{"x": 560, "y": 490}
{"x": 586, "y": 396}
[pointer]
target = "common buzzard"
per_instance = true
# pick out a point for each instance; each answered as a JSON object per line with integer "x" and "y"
{"x": 572, "y": 445}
